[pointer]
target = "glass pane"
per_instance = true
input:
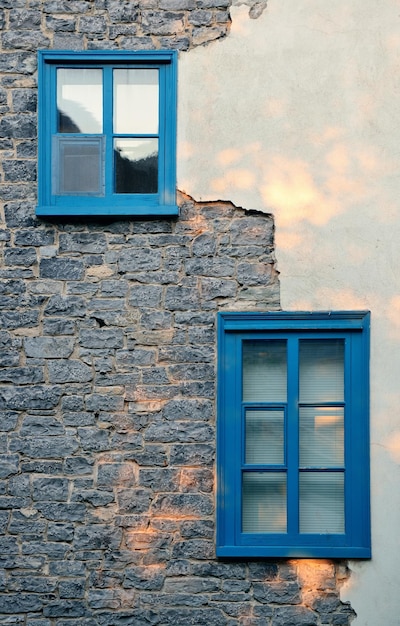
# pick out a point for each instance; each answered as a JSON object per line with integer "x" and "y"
{"x": 136, "y": 165}
{"x": 321, "y": 502}
{"x": 321, "y": 436}
{"x": 136, "y": 101}
{"x": 264, "y": 371}
{"x": 321, "y": 370}
{"x": 80, "y": 101}
{"x": 265, "y": 437}
{"x": 264, "y": 502}
{"x": 78, "y": 166}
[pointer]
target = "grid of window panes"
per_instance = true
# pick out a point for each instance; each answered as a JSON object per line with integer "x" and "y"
{"x": 107, "y": 138}
{"x": 315, "y": 419}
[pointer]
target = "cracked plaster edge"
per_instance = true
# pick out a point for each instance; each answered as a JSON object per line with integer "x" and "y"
{"x": 257, "y": 7}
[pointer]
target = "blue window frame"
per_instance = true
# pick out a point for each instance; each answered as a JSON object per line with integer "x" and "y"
{"x": 107, "y": 133}
{"x": 293, "y": 435}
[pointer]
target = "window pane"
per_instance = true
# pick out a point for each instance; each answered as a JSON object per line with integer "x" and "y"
{"x": 136, "y": 165}
{"x": 321, "y": 370}
{"x": 265, "y": 437}
{"x": 78, "y": 166}
{"x": 136, "y": 101}
{"x": 264, "y": 371}
{"x": 80, "y": 101}
{"x": 264, "y": 502}
{"x": 321, "y": 502}
{"x": 321, "y": 436}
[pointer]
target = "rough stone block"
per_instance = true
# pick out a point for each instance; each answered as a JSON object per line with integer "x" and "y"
{"x": 20, "y": 256}
{"x": 61, "y": 269}
{"x": 40, "y": 397}
{"x": 96, "y": 537}
{"x": 48, "y": 347}
{"x": 49, "y": 489}
{"x": 148, "y": 579}
{"x": 70, "y": 370}
{"x": 102, "y": 338}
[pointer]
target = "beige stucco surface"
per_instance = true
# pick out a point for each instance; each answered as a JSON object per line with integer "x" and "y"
{"x": 297, "y": 113}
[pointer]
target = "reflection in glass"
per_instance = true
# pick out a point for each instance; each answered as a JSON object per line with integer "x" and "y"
{"x": 321, "y": 370}
{"x": 78, "y": 165}
{"x": 264, "y": 502}
{"x": 80, "y": 100}
{"x": 321, "y": 502}
{"x": 264, "y": 437}
{"x": 136, "y": 101}
{"x": 136, "y": 165}
{"x": 321, "y": 436}
{"x": 264, "y": 371}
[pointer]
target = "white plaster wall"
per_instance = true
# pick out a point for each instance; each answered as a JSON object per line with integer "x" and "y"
{"x": 297, "y": 113}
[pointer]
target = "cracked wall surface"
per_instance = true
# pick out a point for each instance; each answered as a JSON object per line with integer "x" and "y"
{"x": 125, "y": 24}
{"x": 107, "y": 413}
{"x": 300, "y": 110}
{"x": 108, "y": 328}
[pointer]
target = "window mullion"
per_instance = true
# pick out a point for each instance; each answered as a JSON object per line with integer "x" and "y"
{"x": 108, "y": 124}
{"x": 162, "y": 111}
{"x": 292, "y": 435}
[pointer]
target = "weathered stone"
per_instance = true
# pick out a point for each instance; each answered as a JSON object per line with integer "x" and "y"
{"x": 34, "y": 397}
{"x": 78, "y": 465}
{"x": 48, "y": 347}
{"x": 13, "y": 603}
{"x": 63, "y": 371}
{"x": 71, "y": 306}
{"x": 17, "y": 126}
{"x": 44, "y": 447}
{"x": 133, "y": 500}
{"x": 20, "y": 256}
{"x": 37, "y": 237}
{"x": 179, "y": 432}
{"x": 65, "y": 608}
{"x": 97, "y": 536}
{"x": 54, "y": 489}
{"x": 62, "y": 512}
{"x": 103, "y": 338}
{"x": 277, "y": 592}
{"x": 294, "y": 616}
{"x": 139, "y": 260}
{"x": 83, "y": 242}
{"x": 143, "y": 578}
{"x": 60, "y": 532}
{"x": 61, "y": 269}
{"x": 35, "y": 425}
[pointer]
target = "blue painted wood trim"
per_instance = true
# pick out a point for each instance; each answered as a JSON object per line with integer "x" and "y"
{"x": 161, "y": 203}
{"x": 297, "y": 320}
{"x": 156, "y": 209}
{"x": 233, "y": 328}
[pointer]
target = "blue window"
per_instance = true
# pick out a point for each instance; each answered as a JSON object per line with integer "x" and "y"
{"x": 107, "y": 133}
{"x": 293, "y": 435}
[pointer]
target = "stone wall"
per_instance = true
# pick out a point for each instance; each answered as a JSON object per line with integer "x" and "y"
{"x": 107, "y": 381}
{"x": 107, "y": 401}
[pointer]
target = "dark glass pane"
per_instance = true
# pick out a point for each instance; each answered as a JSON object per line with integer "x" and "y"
{"x": 321, "y": 502}
{"x": 321, "y": 370}
{"x": 80, "y": 101}
{"x": 265, "y": 436}
{"x": 321, "y": 431}
{"x": 78, "y": 166}
{"x": 264, "y": 502}
{"x": 264, "y": 371}
{"x": 136, "y": 165}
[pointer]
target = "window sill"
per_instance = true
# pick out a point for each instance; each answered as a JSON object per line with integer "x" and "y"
{"x": 109, "y": 211}
{"x": 305, "y": 552}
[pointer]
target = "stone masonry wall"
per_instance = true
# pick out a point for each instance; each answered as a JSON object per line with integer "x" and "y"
{"x": 107, "y": 380}
{"x": 108, "y": 425}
